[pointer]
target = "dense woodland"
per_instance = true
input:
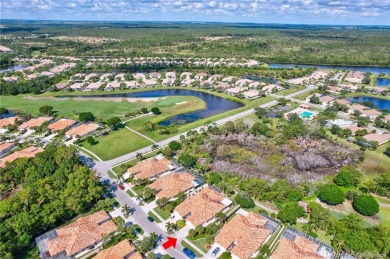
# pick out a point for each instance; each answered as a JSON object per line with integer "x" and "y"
{"x": 300, "y": 44}
{"x": 48, "y": 190}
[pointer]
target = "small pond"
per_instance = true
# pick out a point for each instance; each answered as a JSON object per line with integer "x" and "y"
{"x": 383, "y": 82}
{"x": 214, "y": 104}
{"x": 11, "y": 68}
{"x": 381, "y": 104}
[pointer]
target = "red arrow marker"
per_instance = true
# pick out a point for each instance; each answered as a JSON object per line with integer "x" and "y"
{"x": 171, "y": 242}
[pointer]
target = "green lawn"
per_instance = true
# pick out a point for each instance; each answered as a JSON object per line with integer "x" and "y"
{"x": 130, "y": 193}
{"x": 162, "y": 213}
{"x": 305, "y": 95}
{"x": 291, "y": 90}
{"x": 69, "y": 107}
{"x": 201, "y": 244}
{"x": 151, "y": 214}
{"x": 186, "y": 245}
{"x": 116, "y": 143}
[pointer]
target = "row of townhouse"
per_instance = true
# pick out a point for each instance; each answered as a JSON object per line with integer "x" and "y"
{"x": 71, "y": 127}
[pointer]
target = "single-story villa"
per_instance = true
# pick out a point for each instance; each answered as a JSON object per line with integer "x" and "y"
{"x": 78, "y": 239}
{"x": 168, "y": 186}
{"x": 201, "y": 208}
{"x": 150, "y": 168}
{"x": 244, "y": 234}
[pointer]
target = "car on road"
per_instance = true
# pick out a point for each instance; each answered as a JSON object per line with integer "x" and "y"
{"x": 189, "y": 253}
{"x": 215, "y": 251}
{"x": 150, "y": 219}
{"x": 121, "y": 187}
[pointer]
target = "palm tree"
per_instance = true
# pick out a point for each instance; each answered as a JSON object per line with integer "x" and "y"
{"x": 126, "y": 210}
{"x": 155, "y": 147}
{"x": 139, "y": 156}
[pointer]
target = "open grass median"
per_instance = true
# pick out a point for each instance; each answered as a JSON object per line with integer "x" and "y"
{"x": 116, "y": 143}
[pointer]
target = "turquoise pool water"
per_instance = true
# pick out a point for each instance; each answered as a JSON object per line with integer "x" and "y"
{"x": 306, "y": 114}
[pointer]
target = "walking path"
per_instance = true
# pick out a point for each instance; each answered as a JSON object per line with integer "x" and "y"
{"x": 142, "y": 135}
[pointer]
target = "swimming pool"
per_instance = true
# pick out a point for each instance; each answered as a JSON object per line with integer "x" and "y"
{"x": 306, "y": 114}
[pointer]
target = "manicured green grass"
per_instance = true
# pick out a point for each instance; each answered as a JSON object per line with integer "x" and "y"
{"x": 156, "y": 219}
{"x": 162, "y": 213}
{"x": 139, "y": 229}
{"x": 384, "y": 215}
{"x": 291, "y": 90}
{"x": 305, "y": 95}
{"x": 68, "y": 107}
{"x": 117, "y": 143}
{"x": 186, "y": 245}
{"x": 130, "y": 193}
{"x": 201, "y": 244}
{"x": 138, "y": 124}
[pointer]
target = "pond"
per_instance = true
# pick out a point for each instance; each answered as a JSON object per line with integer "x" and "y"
{"x": 11, "y": 68}
{"x": 381, "y": 104}
{"x": 214, "y": 104}
{"x": 383, "y": 82}
{"x": 374, "y": 70}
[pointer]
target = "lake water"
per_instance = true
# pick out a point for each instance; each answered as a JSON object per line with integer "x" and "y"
{"x": 374, "y": 70}
{"x": 214, "y": 104}
{"x": 11, "y": 68}
{"x": 383, "y": 82}
{"x": 381, "y": 104}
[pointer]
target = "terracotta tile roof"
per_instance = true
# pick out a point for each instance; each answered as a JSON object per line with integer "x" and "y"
{"x": 343, "y": 101}
{"x": 251, "y": 93}
{"x": 150, "y": 167}
{"x": 357, "y": 107}
{"x": 371, "y": 112}
{"x": 304, "y": 106}
{"x": 247, "y": 233}
{"x": 6, "y": 145}
{"x": 82, "y": 130}
{"x": 326, "y": 99}
{"x": 35, "y": 122}
{"x": 7, "y": 121}
{"x": 61, "y": 124}
{"x": 300, "y": 248}
{"x": 201, "y": 207}
{"x": 335, "y": 88}
{"x": 353, "y": 128}
{"x": 27, "y": 152}
{"x": 82, "y": 233}
{"x": 119, "y": 251}
{"x": 380, "y": 138}
{"x": 170, "y": 185}
{"x": 387, "y": 117}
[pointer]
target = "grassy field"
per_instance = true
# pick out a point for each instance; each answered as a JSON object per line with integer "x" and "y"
{"x": 138, "y": 124}
{"x": 116, "y": 143}
{"x": 70, "y": 107}
{"x": 305, "y": 95}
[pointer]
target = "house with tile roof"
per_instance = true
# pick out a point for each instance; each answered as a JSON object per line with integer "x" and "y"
{"x": 356, "y": 107}
{"x": 82, "y": 130}
{"x": 61, "y": 124}
{"x": 335, "y": 89}
{"x": 244, "y": 234}
{"x": 371, "y": 113}
{"x": 6, "y": 147}
{"x": 4, "y": 123}
{"x": 168, "y": 186}
{"x": 27, "y": 152}
{"x": 78, "y": 238}
{"x": 122, "y": 250}
{"x": 150, "y": 168}
{"x": 296, "y": 245}
{"x": 251, "y": 94}
{"x": 325, "y": 100}
{"x": 343, "y": 101}
{"x": 35, "y": 122}
{"x": 200, "y": 208}
{"x": 380, "y": 138}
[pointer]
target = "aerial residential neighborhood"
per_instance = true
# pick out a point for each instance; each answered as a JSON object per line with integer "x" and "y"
{"x": 194, "y": 129}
